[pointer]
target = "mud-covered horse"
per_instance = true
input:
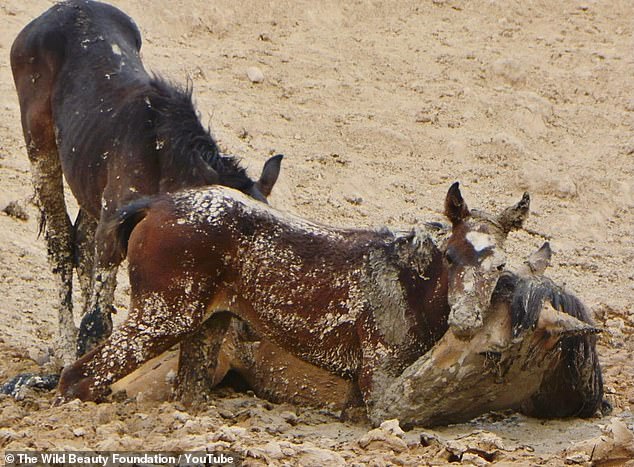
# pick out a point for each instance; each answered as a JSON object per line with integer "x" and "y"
{"x": 560, "y": 376}
{"x": 535, "y": 352}
{"x": 363, "y": 304}
{"x": 91, "y": 114}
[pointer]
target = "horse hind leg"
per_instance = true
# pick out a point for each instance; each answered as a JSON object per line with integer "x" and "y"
{"x": 96, "y": 324}
{"x": 34, "y": 89}
{"x": 97, "y": 286}
{"x": 58, "y": 231}
{"x": 85, "y": 228}
{"x": 157, "y": 320}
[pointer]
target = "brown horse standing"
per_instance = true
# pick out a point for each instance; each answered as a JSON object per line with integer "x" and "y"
{"x": 92, "y": 114}
{"x": 363, "y": 304}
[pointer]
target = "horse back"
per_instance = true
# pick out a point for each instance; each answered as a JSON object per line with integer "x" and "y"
{"x": 292, "y": 280}
{"x": 74, "y": 66}
{"x": 76, "y": 32}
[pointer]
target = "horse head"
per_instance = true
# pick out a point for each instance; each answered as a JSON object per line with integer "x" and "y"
{"x": 475, "y": 258}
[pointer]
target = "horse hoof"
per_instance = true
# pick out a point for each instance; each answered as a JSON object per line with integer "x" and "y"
{"x": 17, "y": 385}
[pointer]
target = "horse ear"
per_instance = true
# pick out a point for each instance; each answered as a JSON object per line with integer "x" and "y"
{"x": 539, "y": 260}
{"x": 456, "y": 209}
{"x": 513, "y": 217}
{"x": 270, "y": 172}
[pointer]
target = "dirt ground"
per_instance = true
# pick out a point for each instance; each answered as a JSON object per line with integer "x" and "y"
{"x": 378, "y": 107}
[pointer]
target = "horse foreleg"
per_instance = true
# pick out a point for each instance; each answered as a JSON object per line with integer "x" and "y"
{"x": 198, "y": 360}
{"x": 155, "y": 323}
{"x": 375, "y": 377}
{"x": 379, "y": 365}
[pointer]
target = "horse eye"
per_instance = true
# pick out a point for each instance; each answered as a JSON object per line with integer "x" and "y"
{"x": 501, "y": 267}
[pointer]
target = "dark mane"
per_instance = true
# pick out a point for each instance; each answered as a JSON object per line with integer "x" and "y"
{"x": 527, "y": 295}
{"x": 183, "y": 143}
{"x": 573, "y": 387}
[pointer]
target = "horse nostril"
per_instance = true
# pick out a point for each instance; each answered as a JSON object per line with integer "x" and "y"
{"x": 501, "y": 267}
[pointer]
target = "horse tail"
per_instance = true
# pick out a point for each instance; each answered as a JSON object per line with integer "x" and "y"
{"x": 119, "y": 229}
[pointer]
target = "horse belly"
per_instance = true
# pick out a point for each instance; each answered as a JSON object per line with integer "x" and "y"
{"x": 85, "y": 175}
{"x": 279, "y": 376}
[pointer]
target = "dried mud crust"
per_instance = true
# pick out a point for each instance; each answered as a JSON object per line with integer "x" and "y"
{"x": 378, "y": 109}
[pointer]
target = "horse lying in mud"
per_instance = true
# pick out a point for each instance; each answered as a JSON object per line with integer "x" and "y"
{"x": 93, "y": 115}
{"x": 536, "y": 352}
{"x": 363, "y": 304}
{"x": 526, "y": 307}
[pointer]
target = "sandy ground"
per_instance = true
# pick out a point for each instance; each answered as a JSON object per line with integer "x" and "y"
{"x": 378, "y": 106}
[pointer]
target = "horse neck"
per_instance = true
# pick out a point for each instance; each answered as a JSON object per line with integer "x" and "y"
{"x": 427, "y": 297}
{"x": 182, "y": 148}
{"x": 179, "y": 168}
{"x": 186, "y": 150}
{"x": 525, "y": 296}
